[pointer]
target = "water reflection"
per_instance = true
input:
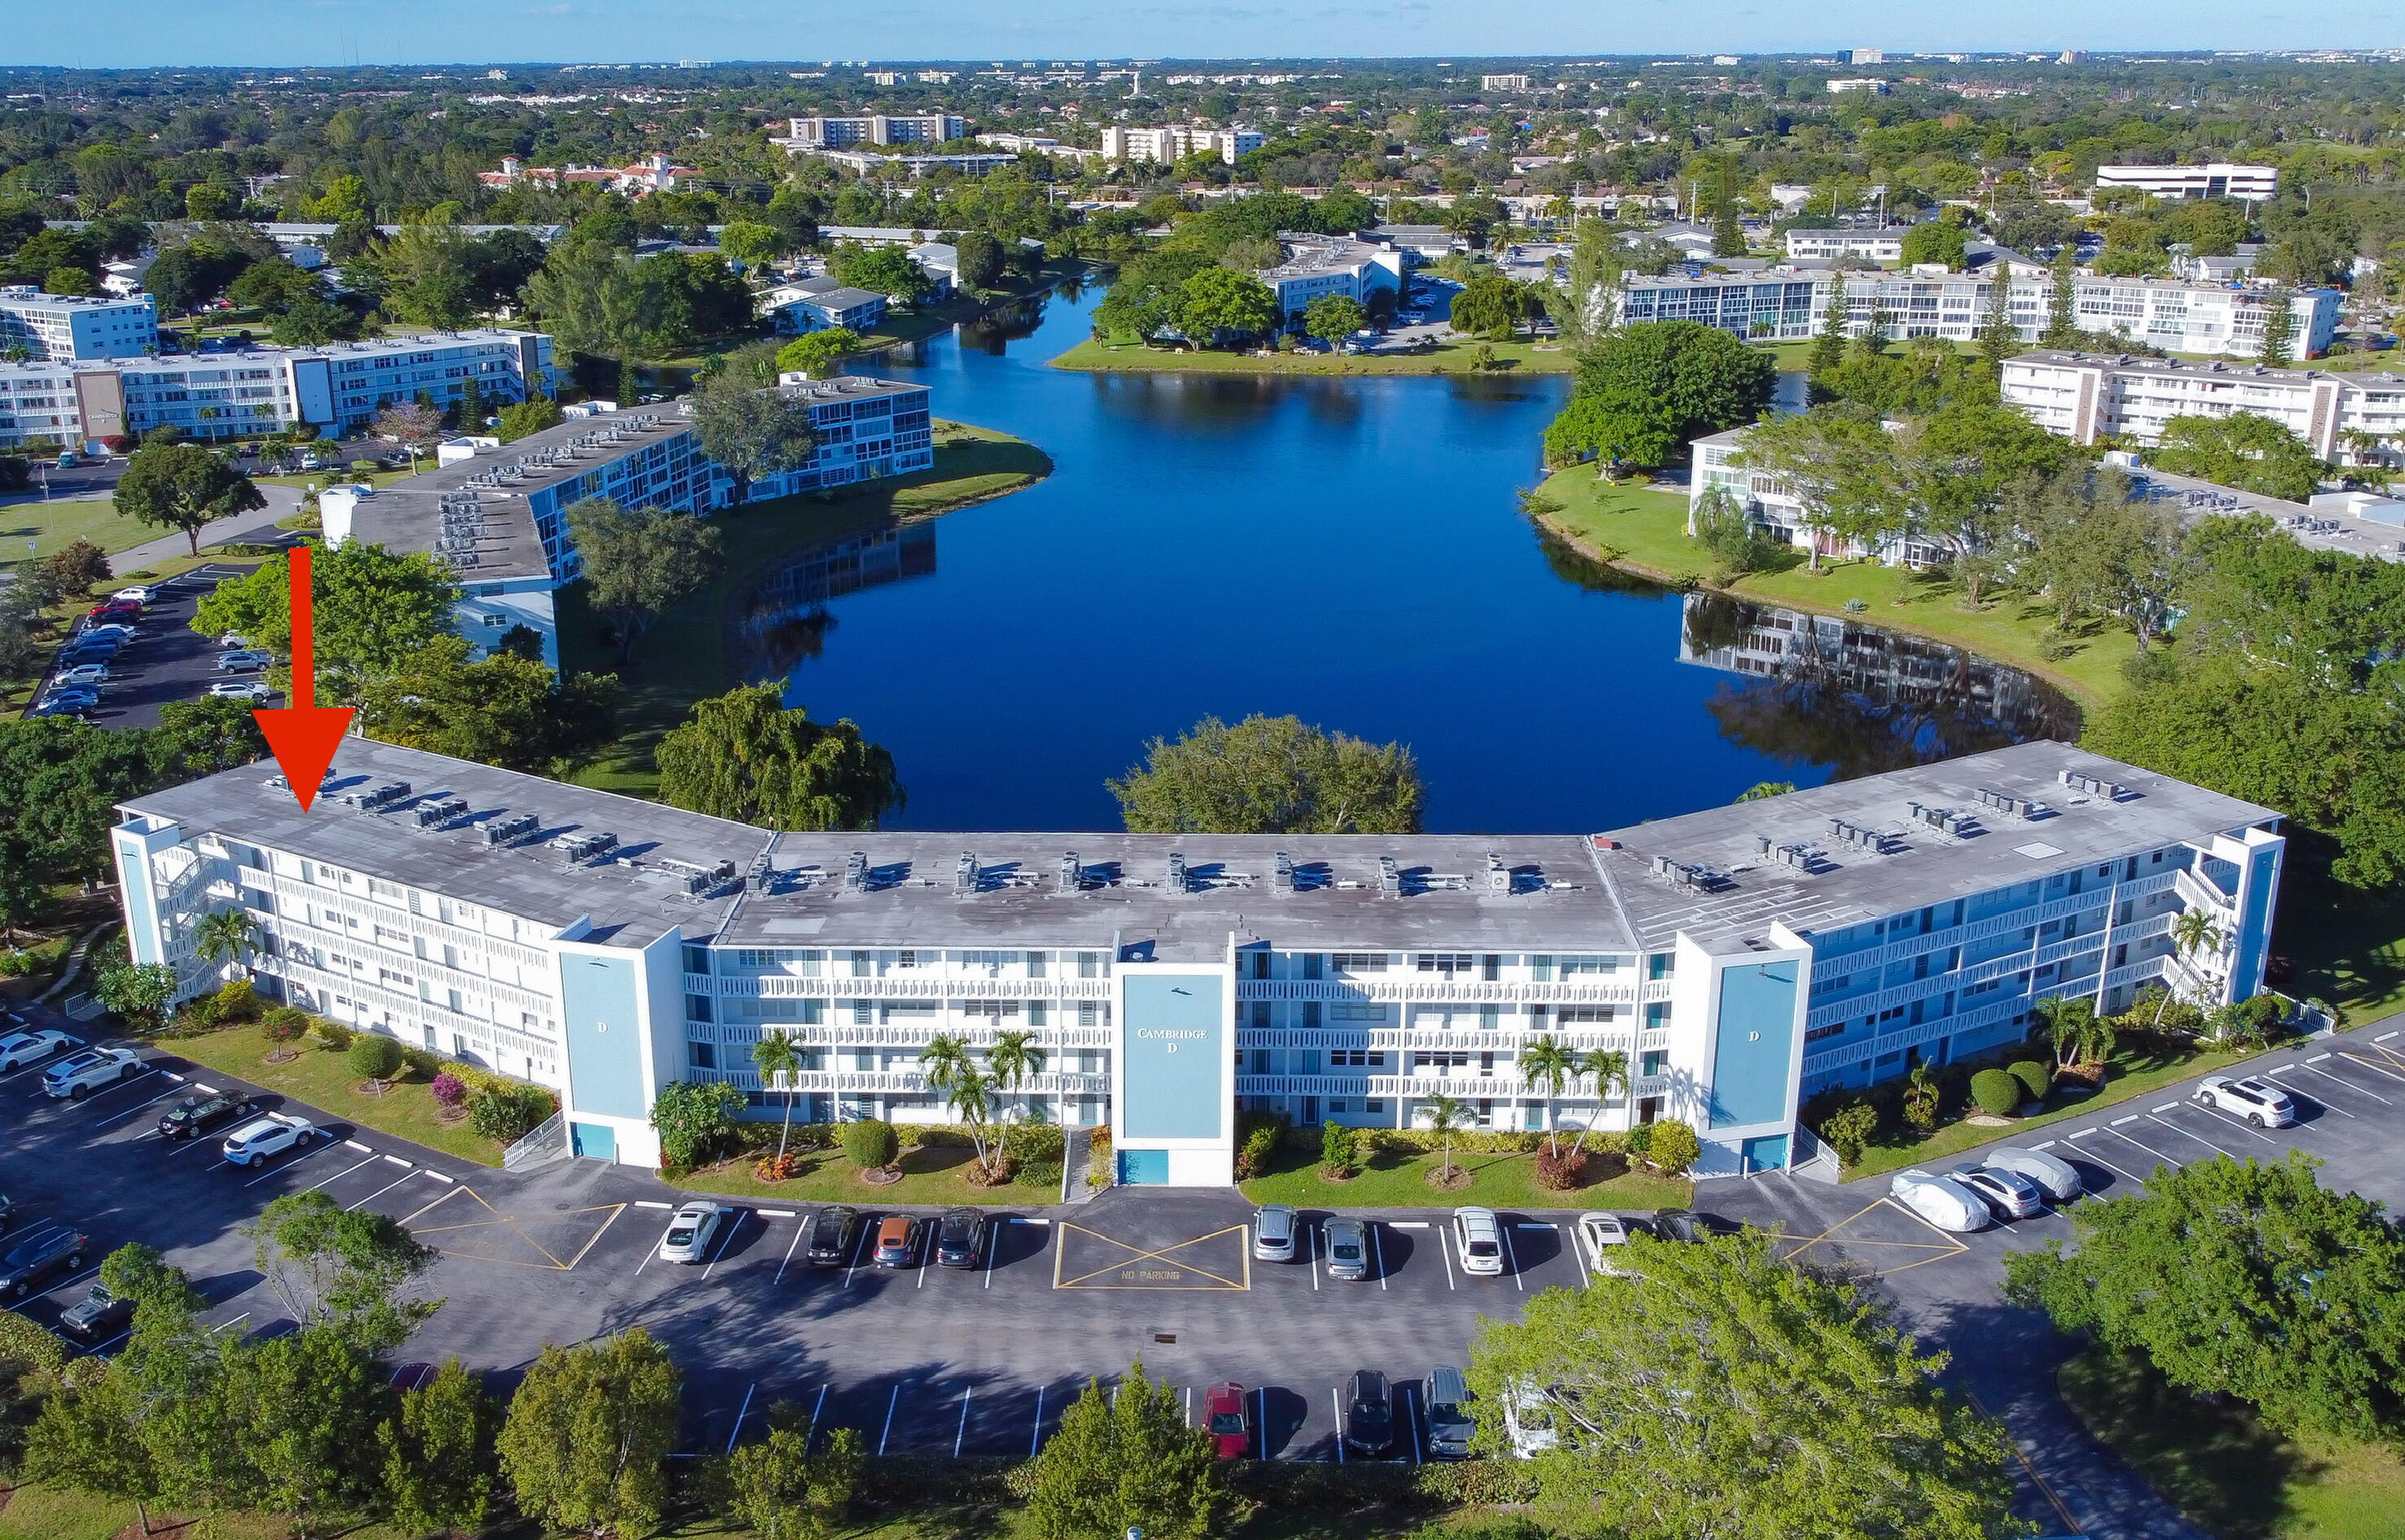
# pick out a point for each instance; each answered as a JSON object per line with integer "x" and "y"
{"x": 994, "y": 331}
{"x": 1819, "y": 691}
{"x": 784, "y": 619}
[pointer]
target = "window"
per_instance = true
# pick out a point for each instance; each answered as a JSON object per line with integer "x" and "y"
{"x": 1574, "y": 966}
{"x": 1584, "y": 1015}
{"x": 1360, "y": 962}
{"x": 1375, "y": 1105}
{"x": 1356, "y": 1059}
{"x": 1447, "y": 963}
{"x": 703, "y": 1054}
{"x": 1356, "y": 1010}
{"x": 496, "y": 621}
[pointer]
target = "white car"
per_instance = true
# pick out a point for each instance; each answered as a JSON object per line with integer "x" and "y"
{"x": 1946, "y": 1204}
{"x": 139, "y": 594}
{"x": 18, "y": 1049}
{"x": 271, "y": 1135}
{"x": 1603, "y": 1235}
{"x": 234, "y": 641}
{"x": 690, "y": 1233}
{"x": 2055, "y": 1177}
{"x": 1479, "y": 1238}
{"x": 241, "y": 689}
{"x": 79, "y": 1075}
{"x": 2258, "y": 1101}
{"x": 1528, "y": 1422}
{"x": 83, "y": 673}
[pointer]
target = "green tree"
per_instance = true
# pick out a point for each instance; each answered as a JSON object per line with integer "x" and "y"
{"x": 505, "y": 708}
{"x": 2237, "y": 1277}
{"x": 980, "y": 259}
{"x": 1652, "y": 1381}
{"x": 1588, "y": 306}
{"x": 520, "y": 419}
{"x": 206, "y": 201}
{"x": 1761, "y": 790}
{"x": 1840, "y": 468}
{"x": 2279, "y": 344}
{"x": 375, "y": 612}
{"x": 752, "y": 431}
{"x": 1672, "y": 1147}
{"x": 1445, "y": 1115}
{"x": 184, "y": 487}
{"x": 1647, "y": 389}
{"x": 639, "y": 563}
{"x": 817, "y": 353}
{"x": 782, "y": 1490}
{"x": 1829, "y": 343}
{"x": 1217, "y": 302}
{"x": 2192, "y": 931}
{"x": 2062, "y": 327}
{"x": 374, "y": 1056}
{"x": 1934, "y": 240}
{"x": 138, "y": 991}
{"x": 882, "y": 269}
{"x": 2245, "y": 449}
{"x": 438, "y": 1453}
{"x": 428, "y": 276}
{"x": 223, "y": 935}
{"x": 586, "y": 1441}
{"x": 746, "y": 755}
{"x": 303, "y": 1411}
{"x": 952, "y": 1071}
{"x": 1333, "y": 317}
{"x": 1730, "y": 534}
{"x": 1126, "y": 1459}
{"x": 1488, "y": 306}
{"x": 1728, "y": 231}
{"x": 1270, "y": 775}
{"x": 1608, "y": 1068}
{"x": 774, "y": 1058}
{"x": 695, "y": 1120}
{"x": 1546, "y": 1066}
{"x": 749, "y": 243}
{"x": 1011, "y": 1058}
{"x": 1999, "y": 339}
{"x": 347, "y": 1268}
{"x": 313, "y": 323}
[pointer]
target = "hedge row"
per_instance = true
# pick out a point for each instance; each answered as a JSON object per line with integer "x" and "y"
{"x": 1043, "y": 1141}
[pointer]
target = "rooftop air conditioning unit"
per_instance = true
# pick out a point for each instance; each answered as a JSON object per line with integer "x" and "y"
{"x": 1177, "y": 880}
{"x": 1390, "y": 877}
{"x": 1073, "y": 872}
{"x": 434, "y": 814}
{"x": 509, "y": 831}
{"x": 855, "y": 873}
{"x": 964, "y": 872}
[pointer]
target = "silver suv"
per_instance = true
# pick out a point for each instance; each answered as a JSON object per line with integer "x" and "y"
{"x": 79, "y": 1075}
{"x": 1348, "y": 1249}
{"x": 1273, "y": 1232}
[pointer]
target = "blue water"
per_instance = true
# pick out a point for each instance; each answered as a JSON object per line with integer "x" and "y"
{"x": 1348, "y": 550}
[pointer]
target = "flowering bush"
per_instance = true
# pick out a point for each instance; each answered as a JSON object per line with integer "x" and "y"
{"x": 449, "y": 1090}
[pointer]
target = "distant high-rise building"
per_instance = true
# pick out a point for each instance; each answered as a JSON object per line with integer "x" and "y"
{"x": 1503, "y": 82}
{"x": 2071, "y": 56}
{"x": 1865, "y": 56}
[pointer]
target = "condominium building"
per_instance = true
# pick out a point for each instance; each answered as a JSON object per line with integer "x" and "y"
{"x": 2082, "y": 395}
{"x": 498, "y": 513}
{"x": 928, "y": 128}
{"x": 1167, "y": 146}
{"x": 75, "y": 327}
{"x": 1317, "y": 265}
{"x": 1788, "y": 304}
{"x": 2219, "y": 179}
{"x": 1741, "y": 957}
{"x": 248, "y": 392}
{"x": 1503, "y": 82}
{"x": 1878, "y": 243}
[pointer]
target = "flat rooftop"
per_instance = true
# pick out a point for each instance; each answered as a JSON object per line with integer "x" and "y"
{"x": 2328, "y": 527}
{"x": 1401, "y": 892}
{"x": 2123, "y": 363}
{"x": 1307, "y": 254}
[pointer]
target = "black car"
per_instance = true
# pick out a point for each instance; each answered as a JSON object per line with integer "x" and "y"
{"x": 1680, "y": 1224}
{"x": 41, "y": 1257}
{"x": 1368, "y": 1413}
{"x": 960, "y": 1242}
{"x": 834, "y": 1236}
{"x": 195, "y": 1115}
{"x": 98, "y": 1316}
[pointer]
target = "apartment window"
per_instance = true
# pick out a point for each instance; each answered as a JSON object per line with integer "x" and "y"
{"x": 1356, "y": 1059}
{"x": 1657, "y": 1014}
{"x": 864, "y": 1012}
{"x": 1036, "y": 965}
{"x": 1574, "y": 966}
{"x": 1586, "y": 1015}
{"x": 1447, "y": 963}
{"x": 1088, "y": 1014}
{"x": 1089, "y": 965}
{"x": 697, "y": 1008}
{"x": 1659, "y": 964}
{"x": 1360, "y": 962}
{"x": 1356, "y": 1010}
{"x": 1374, "y": 1106}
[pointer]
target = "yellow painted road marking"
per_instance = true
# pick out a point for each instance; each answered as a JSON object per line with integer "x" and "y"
{"x": 511, "y": 1225}
{"x": 1139, "y": 1254}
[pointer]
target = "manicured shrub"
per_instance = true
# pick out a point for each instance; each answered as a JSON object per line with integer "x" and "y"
{"x": 871, "y": 1144}
{"x": 373, "y": 1058}
{"x": 2035, "y": 1079}
{"x": 1560, "y": 1173}
{"x": 508, "y": 1112}
{"x": 333, "y": 1035}
{"x": 1995, "y": 1092}
{"x": 449, "y": 1090}
{"x": 1044, "y": 1175}
{"x": 1337, "y": 1152}
{"x": 420, "y": 1061}
{"x": 237, "y": 1001}
{"x": 1849, "y": 1128}
{"x": 1257, "y": 1136}
{"x": 1674, "y": 1147}
{"x": 283, "y": 1024}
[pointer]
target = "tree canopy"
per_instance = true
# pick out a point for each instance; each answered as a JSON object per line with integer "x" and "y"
{"x": 376, "y": 610}
{"x": 589, "y": 1431}
{"x": 505, "y": 709}
{"x": 639, "y": 562}
{"x": 746, "y": 755}
{"x": 1644, "y": 391}
{"x": 1271, "y": 776}
{"x": 2245, "y": 449}
{"x": 1126, "y": 1459}
{"x": 184, "y": 487}
{"x": 752, "y": 431}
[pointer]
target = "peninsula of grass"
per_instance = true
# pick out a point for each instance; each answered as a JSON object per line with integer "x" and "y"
{"x": 321, "y": 1078}
{"x": 689, "y": 654}
{"x": 932, "y": 1177}
{"x": 1458, "y": 358}
{"x": 1506, "y": 1180}
{"x": 1643, "y": 530}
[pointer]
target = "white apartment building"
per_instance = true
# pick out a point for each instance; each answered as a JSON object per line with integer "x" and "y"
{"x": 1503, "y": 82}
{"x": 928, "y": 128}
{"x": 1741, "y": 957}
{"x": 1878, "y": 243}
{"x": 2219, "y": 179}
{"x": 74, "y": 328}
{"x": 1859, "y": 87}
{"x": 1787, "y": 306}
{"x": 1317, "y": 265}
{"x": 497, "y": 512}
{"x": 2082, "y": 395}
{"x": 1170, "y": 145}
{"x": 249, "y": 392}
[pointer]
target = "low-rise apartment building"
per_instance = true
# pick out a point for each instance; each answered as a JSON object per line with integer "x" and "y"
{"x": 75, "y": 328}
{"x": 1877, "y": 243}
{"x": 1741, "y": 957}
{"x": 498, "y": 513}
{"x": 1317, "y": 265}
{"x": 924, "y": 128}
{"x": 2219, "y": 179}
{"x": 1170, "y": 145}
{"x": 2083, "y": 395}
{"x": 1788, "y": 304}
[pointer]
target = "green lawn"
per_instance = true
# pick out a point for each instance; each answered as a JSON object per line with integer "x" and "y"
{"x": 931, "y": 1176}
{"x": 1448, "y": 359}
{"x": 2349, "y": 946}
{"x": 56, "y": 524}
{"x": 2129, "y": 1075}
{"x": 2234, "y": 1479}
{"x": 321, "y": 1079}
{"x": 52, "y": 1513}
{"x": 1644, "y": 529}
{"x": 1395, "y": 1179}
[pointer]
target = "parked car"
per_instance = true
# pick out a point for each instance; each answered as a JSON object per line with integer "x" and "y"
{"x": 79, "y": 1074}
{"x": 18, "y": 1049}
{"x": 960, "y": 1238}
{"x": 98, "y": 1316}
{"x": 2257, "y": 1100}
{"x": 2007, "y": 1194}
{"x": 1478, "y": 1235}
{"x": 2055, "y": 1176}
{"x": 1368, "y": 1413}
{"x": 1348, "y": 1249}
{"x": 1603, "y": 1234}
{"x": 103, "y": 633}
{"x": 1948, "y": 1205}
{"x": 61, "y": 709}
{"x": 1680, "y": 1225}
{"x": 84, "y": 673}
{"x": 1223, "y": 1414}
{"x": 691, "y": 1230}
{"x": 40, "y": 1257}
{"x": 195, "y": 1115}
{"x": 82, "y": 696}
{"x": 269, "y": 1136}
{"x": 241, "y": 689}
{"x": 244, "y": 663}
{"x": 139, "y": 594}
{"x": 833, "y": 1235}
{"x": 897, "y": 1240}
{"x": 1450, "y": 1424}
{"x": 115, "y": 610}
{"x": 1274, "y": 1230}
{"x": 1529, "y": 1422}
{"x": 234, "y": 641}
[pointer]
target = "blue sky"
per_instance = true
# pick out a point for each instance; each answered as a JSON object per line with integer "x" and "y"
{"x": 293, "y": 32}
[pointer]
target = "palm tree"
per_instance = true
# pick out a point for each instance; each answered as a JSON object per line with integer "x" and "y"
{"x": 952, "y": 1073}
{"x": 776, "y": 1057}
{"x": 1010, "y": 1060}
{"x": 1546, "y": 1065}
{"x": 2067, "y": 1020}
{"x": 223, "y": 935}
{"x": 1445, "y": 1114}
{"x": 2192, "y": 931}
{"x": 1608, "y": 1067}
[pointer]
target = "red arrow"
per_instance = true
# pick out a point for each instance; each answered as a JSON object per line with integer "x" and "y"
{"x": 304, "y": 734}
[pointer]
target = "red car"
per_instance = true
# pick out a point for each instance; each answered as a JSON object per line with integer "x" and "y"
{"x": 1223, "y": 1413}
{"x": 115, "y": 609}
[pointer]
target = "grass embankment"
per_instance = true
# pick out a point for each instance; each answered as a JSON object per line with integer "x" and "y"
{"x": 59, "y": 522}
{"x": 932, "y": 1176}
{"x": 1398, "y": 1179}
{"x": 1644, "y": 530}
{"x": 320, "y": 1077}
{"x": 685, "y": 656}
{"x": 2232, "y": 1478}
{"x": 1446, "y": 358}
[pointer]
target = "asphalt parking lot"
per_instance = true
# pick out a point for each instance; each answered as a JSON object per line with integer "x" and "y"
{"x": 166, "y": 660}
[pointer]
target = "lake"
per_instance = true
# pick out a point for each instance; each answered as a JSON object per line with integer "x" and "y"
{"x": 1350, "y": 551}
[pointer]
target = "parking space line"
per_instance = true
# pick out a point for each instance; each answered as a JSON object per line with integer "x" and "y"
{"x": 962, "y": 1434}
{"x": 892, "y": 1401}
{"x": 651, "y": 1203}
{"x": 656, "y": 1245}
{"x": 1378, "y": 1252}
{"x": 1511, "y": 1254}
{"x": 1445, "y": 1252}
{"x": 724, "y": 1241}
{"x": 992, "y": 1253}
{"x": 2374, "y": 1067}
{"x": 379, "y": 1192}
{"x": 1413, "y": 1417}
{"x": 2198, "y": 1137}
{"x": 448, "y": 1194}
{"x": 859, "y": 1252}
{"x": 2383, "y": 1036}
{"x": 740, "y": 1412}
{"x": 2115, "y": 1132}
{"x": 398, "y": 1161}
{"x": 799, "y": 1230}
{"x": 1035, "y": 1434}
{"x": 816, "y": 1407}
{"x": 137, "y": 1107}
{"x": 2072, "y": 1139}
{"x": 2218, "y": 1116}
{"x": 356, "y": 1145}
{"x": 2323, "y": 1100}
{"x": 1317, "y": 1254}
{"x": 1336, "y": 1400}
